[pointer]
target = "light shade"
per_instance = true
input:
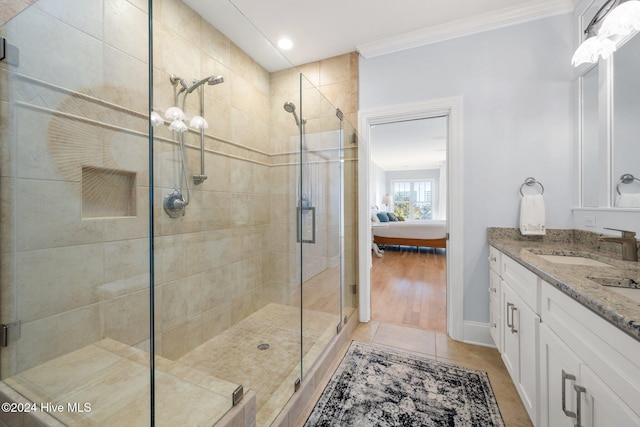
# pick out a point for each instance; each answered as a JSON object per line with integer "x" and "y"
{"x": 178, "y": 126}
{"x": 174, "y": 113}
{"x": 198, "y": 122}
{"x": 592, "y": 49}
{"x": 156, "y": 119}
{"x": 386, "y": 200}
{"x": 622, "y": 21}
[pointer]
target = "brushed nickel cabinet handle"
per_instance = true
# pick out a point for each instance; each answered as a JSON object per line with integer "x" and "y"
{"x": 579, "y": 389}
{"x": 509, "y": 306}
{"x": 566, "y": 377}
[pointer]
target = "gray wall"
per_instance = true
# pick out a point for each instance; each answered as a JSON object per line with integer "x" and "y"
{"x": 516, "y": 85}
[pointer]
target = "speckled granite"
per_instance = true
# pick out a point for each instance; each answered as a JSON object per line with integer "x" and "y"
{"x": 573, "y": 280}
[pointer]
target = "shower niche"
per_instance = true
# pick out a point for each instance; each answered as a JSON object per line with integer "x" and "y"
{"x": 108, "y": 193}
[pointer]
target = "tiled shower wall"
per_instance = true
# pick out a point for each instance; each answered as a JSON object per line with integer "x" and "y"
{"x": 72, "y": 280}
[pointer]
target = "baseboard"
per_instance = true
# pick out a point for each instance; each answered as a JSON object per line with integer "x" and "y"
{"x": 478, "y": 333}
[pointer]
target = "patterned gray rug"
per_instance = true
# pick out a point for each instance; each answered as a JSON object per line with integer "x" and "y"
{"x": 377, "y": 386}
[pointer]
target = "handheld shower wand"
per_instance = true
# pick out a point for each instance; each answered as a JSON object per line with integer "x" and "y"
{"x": 290, "y": 107}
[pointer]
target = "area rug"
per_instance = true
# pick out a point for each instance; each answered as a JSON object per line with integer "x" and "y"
{"x": 377, "y": 386}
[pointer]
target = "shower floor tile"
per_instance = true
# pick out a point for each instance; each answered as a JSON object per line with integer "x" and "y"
{"x": 234, "y": 355}
{"x": 114, "y": 379}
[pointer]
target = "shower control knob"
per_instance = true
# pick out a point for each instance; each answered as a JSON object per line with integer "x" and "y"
{"x": 174, "y": 204}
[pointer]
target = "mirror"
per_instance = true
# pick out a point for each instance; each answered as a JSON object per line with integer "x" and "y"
{"x": 625, "y": 133}
{"x": 609, "y": 126}
{"x": 590, "y": 166}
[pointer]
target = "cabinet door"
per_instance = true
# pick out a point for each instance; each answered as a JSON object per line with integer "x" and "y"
{"x": 521, "y": 326}
{"x": 495, "y": 317}
{"x": 529, "y": 331}
{"x": 510, "y": 337}
{"x": 600, "y": 406}
{"x": 559, "y": 369}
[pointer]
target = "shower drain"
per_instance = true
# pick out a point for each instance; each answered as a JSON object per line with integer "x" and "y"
{"x": 263, "y": 346}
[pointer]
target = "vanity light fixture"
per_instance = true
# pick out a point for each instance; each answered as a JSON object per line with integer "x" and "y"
{"x": 620, "y": 18}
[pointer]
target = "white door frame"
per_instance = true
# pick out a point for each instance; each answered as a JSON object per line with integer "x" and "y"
{"x": 452, "y": 108}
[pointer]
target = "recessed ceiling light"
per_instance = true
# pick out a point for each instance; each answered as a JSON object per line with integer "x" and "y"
{"x": 285, "y": 43}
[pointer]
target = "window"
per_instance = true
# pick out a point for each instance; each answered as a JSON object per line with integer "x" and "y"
{"x": 412, "y": 199}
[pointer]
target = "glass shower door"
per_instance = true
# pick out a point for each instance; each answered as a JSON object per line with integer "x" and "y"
{"x": 320, "y": 205}
{"x": 75, "y": 240}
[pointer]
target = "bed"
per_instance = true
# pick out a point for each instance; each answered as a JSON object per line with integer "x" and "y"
{"x": 430, "y": 234}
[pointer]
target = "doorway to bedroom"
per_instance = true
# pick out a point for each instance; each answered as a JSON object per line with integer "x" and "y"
{"x": 408, "y": 195}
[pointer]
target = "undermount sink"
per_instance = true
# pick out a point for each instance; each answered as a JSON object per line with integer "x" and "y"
{"x": 574, "y": 260}
{"x": 625, "y": 286}
{"x": 618, "y": 282}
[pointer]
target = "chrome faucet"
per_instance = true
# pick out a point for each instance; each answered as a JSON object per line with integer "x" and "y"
{"x": 628, "y": 242}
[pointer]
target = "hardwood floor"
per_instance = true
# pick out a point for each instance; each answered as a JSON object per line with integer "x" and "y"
{"x": 408, "y": 287}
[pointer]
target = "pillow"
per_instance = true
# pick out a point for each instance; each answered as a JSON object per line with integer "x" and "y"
{"x": 400, "y": 218}
{"x": 383, "y": 217}
{"x": 392, "y": 216}
{"x": 374, "y": 216}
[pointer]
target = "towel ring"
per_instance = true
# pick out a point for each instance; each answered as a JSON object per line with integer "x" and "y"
{"x": 530, "y": 182}
{"x": 627, "y": 178}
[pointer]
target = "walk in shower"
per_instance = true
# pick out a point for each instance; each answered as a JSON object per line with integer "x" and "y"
{"x": 172, "y": 235}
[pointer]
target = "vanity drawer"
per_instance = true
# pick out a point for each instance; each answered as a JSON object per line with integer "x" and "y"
{"x": 522, "y": 281}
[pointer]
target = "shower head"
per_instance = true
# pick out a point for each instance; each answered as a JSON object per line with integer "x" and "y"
{"x": 290, "y": 107}
{"x": 211, "y": 80}
{"x": 214, "y": 80}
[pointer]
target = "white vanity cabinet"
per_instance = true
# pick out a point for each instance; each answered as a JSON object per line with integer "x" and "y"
{"x": 520, "y": 331}
{"x": 589, "y": 369}
{"x": 565, "y": 361}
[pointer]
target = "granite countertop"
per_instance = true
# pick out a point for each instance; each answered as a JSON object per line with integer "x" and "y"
{"x": 620, "y": 310}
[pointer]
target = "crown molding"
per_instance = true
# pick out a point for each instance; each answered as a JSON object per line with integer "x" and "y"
{"x": 464, "y": 27}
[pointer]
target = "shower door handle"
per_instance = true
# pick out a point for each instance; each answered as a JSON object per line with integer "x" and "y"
{"x": 301, "y": 212}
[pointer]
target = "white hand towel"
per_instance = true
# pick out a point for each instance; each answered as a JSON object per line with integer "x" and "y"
{"x": 628, "y": 200}
{"x": 532, "y": 215}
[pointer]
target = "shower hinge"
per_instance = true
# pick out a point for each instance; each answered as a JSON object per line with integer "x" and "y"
{"x": 354, "y": 289}
{"x": 9, "y": 52}
{"x": 296, "y": 385}
{"x": 9, "y": 333}
{"x": 339, "y": 328}
{"x": 339, "y": 114}
{"x": 237, "y": 395}
{"x": 354, "y": 138}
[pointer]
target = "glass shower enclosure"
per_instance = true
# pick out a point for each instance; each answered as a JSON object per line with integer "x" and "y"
{"x": 177, "y": 222}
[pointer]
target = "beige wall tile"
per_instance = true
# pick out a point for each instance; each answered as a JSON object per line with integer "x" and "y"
{"x": 85, "y": 15}
{"x": 52, "y": 281}
{"x": 50, "y": 216}
{"x": 46, "y": 44}
{"x": 182, "y": 20}
{"x": 126, "y": 318}
{"x": 47, "y": 338}
{"x": 10, "y": 8}
{"x": 126, "y": 28}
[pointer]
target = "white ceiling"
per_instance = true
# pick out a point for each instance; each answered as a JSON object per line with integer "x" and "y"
{"x": 410, "y": 145}
{"x": 326, "y": 28}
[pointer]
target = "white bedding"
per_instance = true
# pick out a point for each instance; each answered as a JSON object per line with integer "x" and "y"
{"x": 435, "y": 229}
